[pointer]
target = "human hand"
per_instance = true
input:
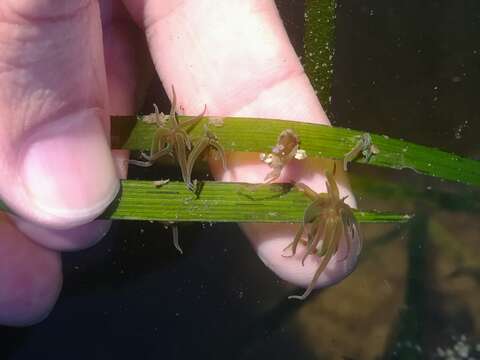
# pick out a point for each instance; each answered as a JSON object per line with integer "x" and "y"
{"x": 232, "y": 55}
{"x": 57, "y": 170}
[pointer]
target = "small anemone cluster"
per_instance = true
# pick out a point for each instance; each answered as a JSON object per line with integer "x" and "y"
{"x": 328, "y": 220}
{"x": 171, "y": 138}
{"x": 286, "y": 149}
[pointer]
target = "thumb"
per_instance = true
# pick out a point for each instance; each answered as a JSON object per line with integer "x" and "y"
{"x": 55, "y": 163}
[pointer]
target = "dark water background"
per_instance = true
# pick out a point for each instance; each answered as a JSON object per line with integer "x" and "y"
{"x": 404, "y": 68}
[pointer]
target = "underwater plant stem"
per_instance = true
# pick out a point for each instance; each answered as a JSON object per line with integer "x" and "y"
{"x": 220, "y": 202}
{"x": 257, "y": 135}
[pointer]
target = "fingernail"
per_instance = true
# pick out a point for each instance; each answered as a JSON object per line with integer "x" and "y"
{"x": 68, "y": 172}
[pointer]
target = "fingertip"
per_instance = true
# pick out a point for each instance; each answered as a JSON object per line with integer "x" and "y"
{"x": 67, "y": 171}
{"x": 270, "y": 241}
{"x": 30, "y": 278}
{"x": 78, "y": 237}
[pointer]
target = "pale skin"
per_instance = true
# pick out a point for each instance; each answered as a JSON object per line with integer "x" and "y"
{"x": 59, "y": 87}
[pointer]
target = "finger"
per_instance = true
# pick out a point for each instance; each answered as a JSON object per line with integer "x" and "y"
{"x": 128, "y": 64}
{"x": 30, "y": 278}
{"x": 236, "y": 50}
{"x": 235, "y": 57}
{"x": 79, "y": 237}
{"x": 121, "y": 39}
{"x": 57, "y": 168}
